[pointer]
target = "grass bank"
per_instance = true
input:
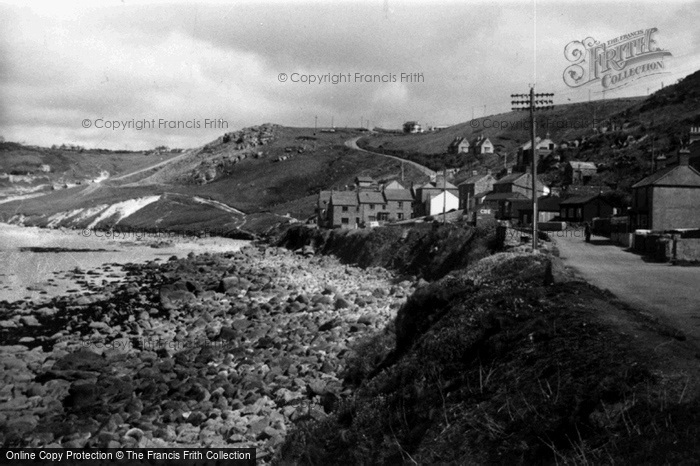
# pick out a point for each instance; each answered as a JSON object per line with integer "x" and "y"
{"x": 504, "y": 363}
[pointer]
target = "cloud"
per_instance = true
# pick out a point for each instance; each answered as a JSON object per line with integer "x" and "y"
{"x": 183, "y": 61}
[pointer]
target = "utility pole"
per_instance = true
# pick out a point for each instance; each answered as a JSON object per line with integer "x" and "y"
{"x": 444, "y": 194}
{"x": 531, "y": 104}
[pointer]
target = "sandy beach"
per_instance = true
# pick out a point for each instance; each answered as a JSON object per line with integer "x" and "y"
{"x": 26, "y": 274}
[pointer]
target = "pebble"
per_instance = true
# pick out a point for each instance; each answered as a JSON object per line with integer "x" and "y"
{"x": 216, "y": 349}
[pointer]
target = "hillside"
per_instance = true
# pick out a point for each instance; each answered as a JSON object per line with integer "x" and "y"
{"x": 627, "y": 129}
{"x": 510, "y": 361}
{"x": 245, "y": 181}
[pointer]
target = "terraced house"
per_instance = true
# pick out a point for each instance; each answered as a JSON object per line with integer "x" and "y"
{"x": 356, "y": 209}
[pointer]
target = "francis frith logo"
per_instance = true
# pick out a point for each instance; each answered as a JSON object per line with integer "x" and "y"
{"x": 615, "y": 63}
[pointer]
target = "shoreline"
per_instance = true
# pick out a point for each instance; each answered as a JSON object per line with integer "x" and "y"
{"x": 39, "y": 276}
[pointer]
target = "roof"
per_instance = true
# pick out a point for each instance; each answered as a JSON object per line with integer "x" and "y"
{"x": 457, "y": 141}
{"x": 438, "y": 184}
{"x": 371, "y": 197}
{"x": 480, "y": 141}
{"x": 324, "y": 197}
{"x": 344, "y": 198}
{"x": 583, "y": 200}
{"x": 678, "y": 175}
{"x": 398, "y": 195}
{"x": 538, "y": 141}
{"x": 510, "y": 178}
{"x": 504, "y": 196}
{"x": 447, "y": 194}
{"x": 473, "y": 179}
{"x": 544, "y": 204}
{"x": 394, "y": 185}
{"x": 582, "y": 165}
{"x": 365, "y": 179}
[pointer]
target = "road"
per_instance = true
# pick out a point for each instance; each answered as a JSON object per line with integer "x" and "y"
{"x": 151, "y": 167}
{"x": 352, "y": 144}
{"x": 667, "y": 291}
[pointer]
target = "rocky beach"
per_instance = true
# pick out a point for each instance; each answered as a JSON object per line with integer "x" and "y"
{"x": 211, "y": 349}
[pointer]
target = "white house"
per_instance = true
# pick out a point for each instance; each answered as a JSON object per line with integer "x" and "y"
{"x": 443, "y": 200}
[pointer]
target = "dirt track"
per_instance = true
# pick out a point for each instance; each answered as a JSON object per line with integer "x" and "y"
{"x": 352, "y": 143}
{"x": 667, "y": 291}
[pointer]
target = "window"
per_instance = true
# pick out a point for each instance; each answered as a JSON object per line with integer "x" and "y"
{"x": 371, "y": 207}
{"x": 383, "y": 206}
{"x": 400, "y": 206}
{"x": 345, "y": 220}
{"x": 372, "y": 218}
{"x": 345, "y": 208}
{"x": 399, "y": 215}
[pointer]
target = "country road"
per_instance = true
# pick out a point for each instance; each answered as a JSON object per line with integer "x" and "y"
{"x": 352, "y": 144}
{"x": 151, "y": 167}
{"x": 667, "y": 291}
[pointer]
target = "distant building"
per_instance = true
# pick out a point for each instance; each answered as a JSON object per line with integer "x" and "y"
{"x": 668, "y": 199}
{"x": 459, "y": 145}
{"x": 393, "y": 185}
{"x": 576, "y": 172}
{"x": 473, "y": 186}
{"x": 412, "y": 127}
{"x": 544, "y": 148}
{"x": 344, "y": 211}
{"x": 547, "y": 209}
{"x": 363, "y": 182}
{"x": 399, "y": 203}
{"x": 482, "y": 145}
{"x": 519, "y": 183}
{"x": 323, "y": 208}
{"x": 586, "y": 208}
{"x": 373, "y": 207}
{"x": 444, "y": 201}
{"x": 423, "y": 193}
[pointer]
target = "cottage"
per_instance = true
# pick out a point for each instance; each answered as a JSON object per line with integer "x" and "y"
{"x": 576, "y": 172}
{"x": 668, "y": 199}
{"x": 482, "y": 145}
{"x": 459, "y": 145}
{"x": 501, "y": 203}
{"x": 586, "y": 208}
{"x": 547, "y": 209}
{"x": 425, "y": 192}
{"x": 544, "y": 147}
{"x": 520, "y": 183}
{"x": 444, "y": 201}
{"x": 364, "y": 182}
{"x": 399, "y": 203}
{"x": 372, "y": 207}
{"x": 472, "y": 187}
{"x": 344, "y": 209}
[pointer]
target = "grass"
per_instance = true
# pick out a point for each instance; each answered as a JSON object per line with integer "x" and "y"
{"x": 507, "y": 372}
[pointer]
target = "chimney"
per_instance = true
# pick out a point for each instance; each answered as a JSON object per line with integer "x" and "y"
{"x": 528, "y": 169}
{"x": 509, "y": 170}
{"x": 488, "y": 171}
{"x": 684, "y": 157}
{"x": 475, "y": 172}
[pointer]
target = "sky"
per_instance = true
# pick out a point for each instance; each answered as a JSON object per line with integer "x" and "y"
{"x": 134, "y": 75}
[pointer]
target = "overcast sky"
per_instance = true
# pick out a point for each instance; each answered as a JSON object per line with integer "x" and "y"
{"x": 65, "y": 62}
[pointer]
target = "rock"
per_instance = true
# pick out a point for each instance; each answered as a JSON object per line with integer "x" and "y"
{"x": 341, "y": 303}
{"x": 29, "y": 321}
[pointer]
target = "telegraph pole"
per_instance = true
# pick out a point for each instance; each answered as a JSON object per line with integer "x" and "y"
{"x": 531, "y": 104}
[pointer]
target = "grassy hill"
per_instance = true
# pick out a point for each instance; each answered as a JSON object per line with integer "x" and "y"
{"x": 248, "y": 179}
{"x": 622, "y": 145}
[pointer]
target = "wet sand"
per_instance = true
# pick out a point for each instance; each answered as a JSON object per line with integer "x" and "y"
{"x": 36, "y": 276}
